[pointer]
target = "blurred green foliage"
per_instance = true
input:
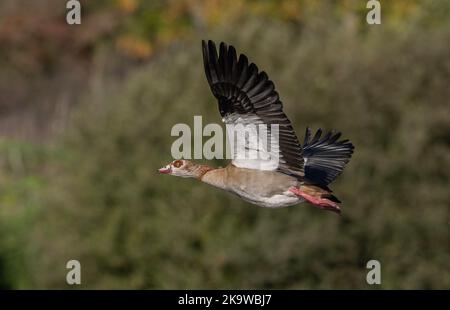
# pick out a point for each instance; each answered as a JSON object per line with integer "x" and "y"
{"x": 93, "y": 193}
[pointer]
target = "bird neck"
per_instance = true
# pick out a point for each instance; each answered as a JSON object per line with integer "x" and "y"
{"x": 198, "y": 171}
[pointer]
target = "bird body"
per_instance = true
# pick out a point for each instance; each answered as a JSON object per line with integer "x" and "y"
{"x": 285, "y": 172}
{"x": 263, "y": 188}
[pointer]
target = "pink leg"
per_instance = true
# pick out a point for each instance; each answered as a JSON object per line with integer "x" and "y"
{"x": 321, "y": 203}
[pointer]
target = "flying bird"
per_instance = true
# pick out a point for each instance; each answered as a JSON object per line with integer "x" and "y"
{"x": 291, "y": 172}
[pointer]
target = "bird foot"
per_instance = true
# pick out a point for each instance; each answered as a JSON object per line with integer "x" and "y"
{"x": 318, "y": 202}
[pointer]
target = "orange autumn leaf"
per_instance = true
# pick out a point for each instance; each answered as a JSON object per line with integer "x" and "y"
{"x": 128, "y": 6}
{"x": 134, "y": 47}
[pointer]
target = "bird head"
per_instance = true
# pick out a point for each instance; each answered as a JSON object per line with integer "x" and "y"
{"x": 180, "y": 168}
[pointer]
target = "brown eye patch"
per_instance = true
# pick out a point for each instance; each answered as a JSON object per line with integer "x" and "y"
{"x": 177, "y": 163}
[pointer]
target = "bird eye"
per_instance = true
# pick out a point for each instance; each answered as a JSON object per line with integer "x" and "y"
{"x": 177, "y": 163}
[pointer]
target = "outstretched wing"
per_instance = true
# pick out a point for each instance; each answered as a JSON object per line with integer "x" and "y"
{"x": 325, "y": 157}
{"x": 247, "y": 96}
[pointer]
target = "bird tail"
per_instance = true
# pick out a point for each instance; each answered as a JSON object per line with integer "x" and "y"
{"x": 325, "y": 157}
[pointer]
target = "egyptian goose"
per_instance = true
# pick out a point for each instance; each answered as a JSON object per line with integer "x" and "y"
{"x": 301, "y": 173}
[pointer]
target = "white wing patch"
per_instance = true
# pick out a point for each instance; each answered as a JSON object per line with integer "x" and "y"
{"x": 251, "y": 144}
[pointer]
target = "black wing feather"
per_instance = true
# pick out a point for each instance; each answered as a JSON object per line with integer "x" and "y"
{"x": 240, "y": 88}
{"x": 326, "y": 157}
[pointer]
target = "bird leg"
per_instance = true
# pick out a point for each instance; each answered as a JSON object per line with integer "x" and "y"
{"x": 317, "y": 201}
